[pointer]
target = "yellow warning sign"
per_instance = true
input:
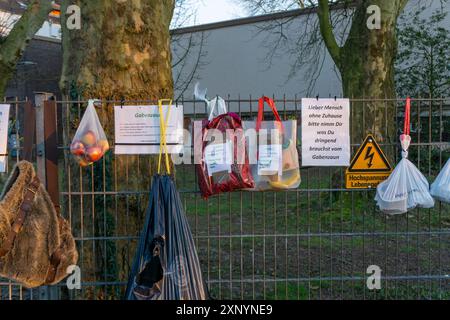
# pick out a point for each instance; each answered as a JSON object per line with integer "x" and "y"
{"x": 369, "y": 167}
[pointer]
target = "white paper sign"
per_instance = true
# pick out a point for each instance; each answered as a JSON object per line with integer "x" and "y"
{"x": 218, "y": 157}
{"x": 137, "y": 129}
{"x": 4, "y": 125}
{"x": 326, "y": 132}
{"x": 270, "y": 158}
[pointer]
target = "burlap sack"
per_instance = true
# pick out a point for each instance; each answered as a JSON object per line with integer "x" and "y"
{"x": 36, "y": 244}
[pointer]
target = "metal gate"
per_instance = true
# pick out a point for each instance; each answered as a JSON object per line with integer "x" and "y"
{"x": 315, "y": 242}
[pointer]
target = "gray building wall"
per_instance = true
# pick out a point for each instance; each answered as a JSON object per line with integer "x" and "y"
{"x": 235, "y": 57}
{"x": 233, "y": 60}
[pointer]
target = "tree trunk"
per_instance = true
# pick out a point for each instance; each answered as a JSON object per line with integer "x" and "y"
{"x": 121, "y": 52}
{"x": 367, "y": 69}
{"x": 13, "y": 46}
{"x": 366, "y": 64}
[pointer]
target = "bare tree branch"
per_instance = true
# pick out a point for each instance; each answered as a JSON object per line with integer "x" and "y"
{"x": 326, "y": 30}
{"x": 14, "y": 44}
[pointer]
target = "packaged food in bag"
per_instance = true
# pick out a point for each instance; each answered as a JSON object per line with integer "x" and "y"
{"x": 406, "y": 188}
{"x": 440, "y": 189}
{"x": 223, "y": 164}
{"x": 273, "y": 150}
{"x": 90, "y": 143}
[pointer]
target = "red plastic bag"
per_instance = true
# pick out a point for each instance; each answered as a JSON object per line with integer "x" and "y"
{"x": 224, "y": 163}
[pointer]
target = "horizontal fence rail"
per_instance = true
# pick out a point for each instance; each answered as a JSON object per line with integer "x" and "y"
{"x": 314, "y": 242}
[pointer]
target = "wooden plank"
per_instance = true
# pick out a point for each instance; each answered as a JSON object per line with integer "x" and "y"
{"x": 39, "y": 99}
{"x": 51, "y": 151}
{"x": 29, "y": 131}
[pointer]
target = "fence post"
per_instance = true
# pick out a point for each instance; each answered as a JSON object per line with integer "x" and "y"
{"x": 29, "y": 131}
{"x": 39, "y": 99}
{"x": 49, "y": 117}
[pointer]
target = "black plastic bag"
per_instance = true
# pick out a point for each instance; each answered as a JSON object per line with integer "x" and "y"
{"x": 166, "y": 266}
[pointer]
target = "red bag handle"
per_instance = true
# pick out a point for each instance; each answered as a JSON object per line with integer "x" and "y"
{"x": 272, "y": 106}
{"x": 213, "y": 124}
{"x": 407, "y": 128}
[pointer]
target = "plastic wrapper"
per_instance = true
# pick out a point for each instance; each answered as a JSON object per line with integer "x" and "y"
{"x": 166, "y": 266}
{"x": 405, "y": 189}
{"x": 224, "y": 164}
{"x": 90, "y": 143}
{"x": 440, "y": 189}
{"x": 273, "y": 151}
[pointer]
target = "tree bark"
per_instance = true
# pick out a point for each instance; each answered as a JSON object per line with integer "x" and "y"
{"x": 121, "y": 52}
{"x": 13, "y": 46}
{"x": 366, "y": 64}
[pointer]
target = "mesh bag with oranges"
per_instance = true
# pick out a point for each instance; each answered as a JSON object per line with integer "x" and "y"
{"x": 89, "y": 144}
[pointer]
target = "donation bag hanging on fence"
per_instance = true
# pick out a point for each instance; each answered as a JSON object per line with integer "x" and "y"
{"x": 90, "y": 143}
{"x": 36, "y": 243}
{"x": 166, "y": 265}
{"x": 223, "y": 165}
{"x": 440, "y": 189}
{"x": 273, "y": 151}
{"x": 406, "y": 188}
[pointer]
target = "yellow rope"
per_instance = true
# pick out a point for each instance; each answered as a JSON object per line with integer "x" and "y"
{"x": 163, "y": 143}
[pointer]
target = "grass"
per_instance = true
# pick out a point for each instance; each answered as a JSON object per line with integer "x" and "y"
{"x": 313, "y": 233}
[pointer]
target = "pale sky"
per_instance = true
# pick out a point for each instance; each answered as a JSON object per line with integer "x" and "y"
{"x": 209, "y": 11}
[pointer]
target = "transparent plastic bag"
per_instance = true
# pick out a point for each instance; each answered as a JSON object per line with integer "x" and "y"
{"x": 273, "y": 152}
{"x": 90, "y": 143}
{"x": 440, "y": 189}
{"x": 405, "y": 189}
{"x": 224, "y": 164}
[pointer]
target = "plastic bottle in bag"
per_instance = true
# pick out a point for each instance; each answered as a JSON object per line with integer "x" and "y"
{"x": 89, "y": 144}
{"x": 440, "y": 189}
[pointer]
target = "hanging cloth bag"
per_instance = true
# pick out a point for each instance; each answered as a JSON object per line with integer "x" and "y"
{"x": 89, "y": 144}
{"x": 406, "y": 188}
{"x": 440, "y": 189}
{"x": 36, "y": 243}
{"x": 166, "y": 265}
{"x": 224, "y": 164}
{"x": 273, "y": 150}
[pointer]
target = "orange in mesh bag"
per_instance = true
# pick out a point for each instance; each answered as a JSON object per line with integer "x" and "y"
{"x": 90, "y": 143}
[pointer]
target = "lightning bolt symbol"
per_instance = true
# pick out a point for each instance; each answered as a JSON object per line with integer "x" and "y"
{"x": 369, "y": 156}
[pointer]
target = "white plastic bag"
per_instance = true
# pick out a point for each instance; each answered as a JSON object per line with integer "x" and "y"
{"x": 90, "y": 143}
{"x": 215, "y": 107}
{"x": 440, "y": 189}
{"x": 406, "y": 188}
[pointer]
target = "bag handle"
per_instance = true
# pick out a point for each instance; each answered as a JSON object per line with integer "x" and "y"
{"x": 272, "y": 106}
{"x": 216, "y": 107}
{"x": 227, "y": 116}
{"x": 212, "y": 124}
{"x": 405, "y": 138}
{"x": 407, "y": 127}
{"x": 163, "y": 143}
